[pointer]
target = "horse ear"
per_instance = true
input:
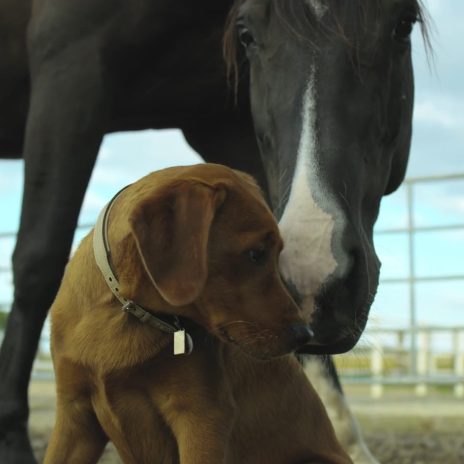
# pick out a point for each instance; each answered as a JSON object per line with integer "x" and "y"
{"x": 171, "y": 231}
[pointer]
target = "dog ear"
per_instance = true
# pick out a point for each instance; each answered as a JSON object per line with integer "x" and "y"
{"x": 171, "y": 231}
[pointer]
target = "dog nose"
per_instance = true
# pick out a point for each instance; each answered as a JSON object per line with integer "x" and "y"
{"x": 301, "y": 334}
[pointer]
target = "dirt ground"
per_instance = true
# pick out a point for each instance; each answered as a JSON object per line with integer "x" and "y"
{"x": 402, "y": 428}
{"x": 415, "y": 440}
{"x": 399, "y": 428}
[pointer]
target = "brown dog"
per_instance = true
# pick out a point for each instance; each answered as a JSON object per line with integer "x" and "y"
{"x": 199, "y": 244}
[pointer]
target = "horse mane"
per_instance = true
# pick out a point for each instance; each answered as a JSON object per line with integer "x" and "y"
{"x": 298, "y": 19}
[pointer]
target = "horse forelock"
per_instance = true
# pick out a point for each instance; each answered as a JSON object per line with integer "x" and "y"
{"x": 302, "y": 17}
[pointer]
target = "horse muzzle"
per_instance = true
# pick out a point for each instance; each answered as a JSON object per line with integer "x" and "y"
{"x": 338, "y": 312}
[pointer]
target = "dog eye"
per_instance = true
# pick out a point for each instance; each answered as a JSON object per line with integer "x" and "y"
{"x": 257, "y": 255}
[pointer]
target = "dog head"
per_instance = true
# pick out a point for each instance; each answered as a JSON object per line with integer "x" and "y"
{"x": 209, "y": 245}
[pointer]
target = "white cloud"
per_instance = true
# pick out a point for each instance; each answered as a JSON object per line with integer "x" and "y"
{"x": 440, "y": 111}
{"x": 11, "y": 176}
{"x": 125, "y": 157}
{"x": 110, "y": 174}
{"x": 93, "y": 202}
{"x": 450, "y": 204}
{"x": 104, "y": 153}
{"x": 6, "y": 183}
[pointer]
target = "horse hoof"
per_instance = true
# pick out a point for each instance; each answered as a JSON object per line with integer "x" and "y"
{"x": 15, "y": 448}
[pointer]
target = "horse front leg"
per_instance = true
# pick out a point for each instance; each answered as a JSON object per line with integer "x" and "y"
{"x": 322, "y": 374}
{"x": 64, "y": 130}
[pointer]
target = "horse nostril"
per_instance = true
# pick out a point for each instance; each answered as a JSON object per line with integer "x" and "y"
{"x": 301, "y": 334}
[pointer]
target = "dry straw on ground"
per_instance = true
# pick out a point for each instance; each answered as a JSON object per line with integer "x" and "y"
{"x": 399, "y": 429}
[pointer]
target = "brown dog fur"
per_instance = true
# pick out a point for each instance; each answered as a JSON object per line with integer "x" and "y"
{"x": 180, "y": 241}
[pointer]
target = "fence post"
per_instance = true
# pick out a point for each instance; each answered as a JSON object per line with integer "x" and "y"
{"x": 432, "y": 358}
{"x": 458, "y": 345}
{"x": 400, "y": 350}
{"x": 377, "y": 369}
{"x": 422, "y": 362}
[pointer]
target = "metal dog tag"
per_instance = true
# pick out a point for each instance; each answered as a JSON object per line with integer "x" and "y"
{"x": 183, "y": 343}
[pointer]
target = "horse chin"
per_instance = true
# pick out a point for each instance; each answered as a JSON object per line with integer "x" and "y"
{"x": 339, "y": 313}
{"x": 335, "y": 330}
{"x": 340, "y": 346}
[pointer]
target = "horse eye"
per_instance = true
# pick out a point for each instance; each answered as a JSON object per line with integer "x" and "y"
{"x": 245, "y": 36}
{"x": 257, "y": 255}
{"x": 404, "y": 28}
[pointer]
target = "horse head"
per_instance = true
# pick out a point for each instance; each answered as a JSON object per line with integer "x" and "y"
{"x": 331, "y": 89}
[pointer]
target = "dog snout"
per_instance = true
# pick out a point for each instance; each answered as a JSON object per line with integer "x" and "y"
{"x": 300, "y": 334}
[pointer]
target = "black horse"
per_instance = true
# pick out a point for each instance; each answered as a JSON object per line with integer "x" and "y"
{"x": 324, "y": 86}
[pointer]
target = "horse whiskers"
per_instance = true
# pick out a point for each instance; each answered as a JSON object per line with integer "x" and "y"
{"x": 353, "y": 332}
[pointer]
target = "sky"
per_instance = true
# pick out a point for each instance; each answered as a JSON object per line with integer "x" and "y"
{"x": 437, "y": 149}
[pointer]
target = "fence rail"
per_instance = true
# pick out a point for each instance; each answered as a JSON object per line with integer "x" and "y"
{"x": 387, "y": 361}
{"x": 400, "y": 356}
{"x": 383, "y": 361}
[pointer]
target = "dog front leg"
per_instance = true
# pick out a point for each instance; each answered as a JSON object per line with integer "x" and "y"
{"x": 202, "y": 435}
{"x": 77, "y": 437}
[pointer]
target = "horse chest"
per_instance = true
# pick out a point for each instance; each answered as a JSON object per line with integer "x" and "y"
{"x": 165, "y": 67}
{"x": 179, "y": 80}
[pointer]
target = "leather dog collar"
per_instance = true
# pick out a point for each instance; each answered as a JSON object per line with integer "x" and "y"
{"x": 182, "y": 341}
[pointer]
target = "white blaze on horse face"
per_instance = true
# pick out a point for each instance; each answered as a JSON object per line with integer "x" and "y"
{"x": 307, "y": 260}
{"x": 319, "y": 7}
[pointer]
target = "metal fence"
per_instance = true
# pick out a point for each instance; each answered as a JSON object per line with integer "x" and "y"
{"x": 408, "y": 355}
{"x": 413, "y": 279}
{"x": 393, "y": 355}
{"x": 387, "y": 360}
